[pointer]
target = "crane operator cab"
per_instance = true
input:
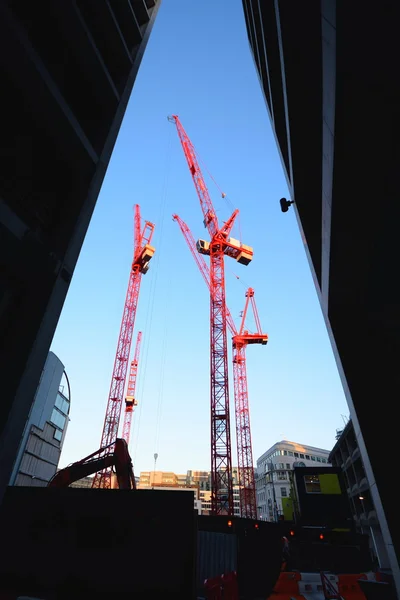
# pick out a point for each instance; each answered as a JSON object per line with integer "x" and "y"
{"x": 130, "y": 402}
{"x": 203, "y": 247}
{"x": 144, "y": 258}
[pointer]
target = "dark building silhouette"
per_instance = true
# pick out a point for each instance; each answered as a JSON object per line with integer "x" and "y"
{"x": 328, "y": 70}
{"x": 67, "y": 70}
{"x": 346, "y": 455}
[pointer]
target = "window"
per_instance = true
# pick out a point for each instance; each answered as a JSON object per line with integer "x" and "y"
{"x": 313, "y": 458}
{"x": 284, "y": 492}
{"x": 58, "y": 419}
{"x": 312, "y": 483}
{"x": 318, "y": 459}
{"x": 281, "y": 466}
{"x": 301, "y": 455}
{"x": 307, "y": 456}
{"x": 281, "y": 475}
{"x": 324, "y": 460}
{"x": 296, "y": 454}
{"x": 62, "y": 403}
{"x": 290, "y": 453}
{"x": 58, "y": 435}
{"x": 285, "y": 452}
{"x": 287, "y": 465}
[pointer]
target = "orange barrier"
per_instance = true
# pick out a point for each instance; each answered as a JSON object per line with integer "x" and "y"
{"x": 287, "y": 583}
{"x": 230, "y": 586}
{"x": 213, "y": 588}
{"x": 349, "y": 588}
{"x": 275, "y": 596}
{"x": 225, "y": 586}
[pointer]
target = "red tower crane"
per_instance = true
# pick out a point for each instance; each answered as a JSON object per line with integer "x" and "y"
{"x": 143, "y": 253}
{"x": 130, "y": 398}
{"x": 248, "y": 496}
{"x": 240, "y": 339}
{"x": 218, "y": 246}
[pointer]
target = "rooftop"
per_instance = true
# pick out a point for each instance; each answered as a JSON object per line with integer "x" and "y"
{"x": 296, "y": 446}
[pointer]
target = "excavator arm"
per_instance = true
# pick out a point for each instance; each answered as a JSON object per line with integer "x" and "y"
{"x": 119, "y": 459}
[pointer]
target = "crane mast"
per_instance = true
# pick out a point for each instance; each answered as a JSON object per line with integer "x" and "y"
{"x": 220, "y": 244}
{"x": 240, "y": 340}
{"x": 143, "y": 252}
{"x": 221, "y": 456}
{"x": 248, "y": 502}
{"x": 130, "y": 398}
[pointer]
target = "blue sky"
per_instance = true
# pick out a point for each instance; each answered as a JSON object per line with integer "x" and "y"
{"x": 197, "y": 65}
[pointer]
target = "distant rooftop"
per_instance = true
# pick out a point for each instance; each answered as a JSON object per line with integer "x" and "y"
{"x": 296, "y": 446}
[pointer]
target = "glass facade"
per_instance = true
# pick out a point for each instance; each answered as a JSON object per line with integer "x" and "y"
{"x": 58, "y": 419}
{"x": 62, "y": 403}
{"x": 59, "y": 415}
{"x": 45, "y": 430}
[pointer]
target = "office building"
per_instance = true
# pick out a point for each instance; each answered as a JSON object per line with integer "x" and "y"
{"x": 85, "y": 482}
{"x": 200, "y": 478}
{"x": 346, "y": 455}
{"x": 67, "y": 70}
{"x": 43, "y": 437}
{"x": 328, "y": 71}
{"x": 273, "y": 474}
{"x": 150, "y": 479}
{"x": 205, "y": 498}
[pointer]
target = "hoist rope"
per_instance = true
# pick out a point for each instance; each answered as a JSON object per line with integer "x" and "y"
{"x": 162, "y": 367}
{"x": 225, "y": 196}
{"x": 149, "y": 317}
